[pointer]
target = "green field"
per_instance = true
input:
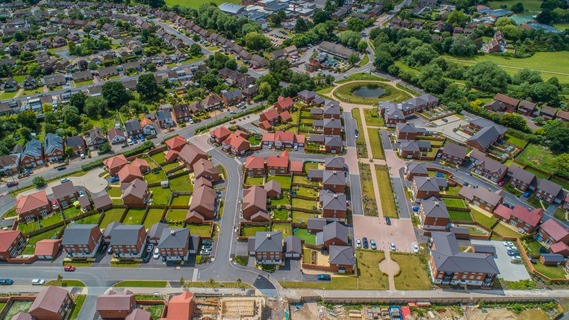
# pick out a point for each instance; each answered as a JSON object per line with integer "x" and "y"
{"x": 388, "y": 206}
{"x": 373, "y": 118}
{"x": 251, "y": 231}
{"x": 92, "y": 219}
{"x": 299, "y": 217}
{"x": 182, "y": 184}
{"x": 345, "y": 93}
{"x": 202, "y": 230}
{"x": 111, "y": 215}
{"x": 254, "y": 181}
{"x": 176, "y": 215}
{"x": 160, "y": 196}
{"x": 516, "y": 141}
{"x": 459, "y": 215}
{"x": 134, "y": 216}
{"x": 550, "y": 271}
{"x": 153, "y": 216}
{"x": 529, "y": 5}
{"x": 414, "y": 274}
{"x": 376, "y": 146}
{"x": 539, "y": 157}
{"x": 505, "y": 231}
{"x": 181, "y": 201}
{"x": 483, "y": 219}
{"x": 284, "y": 228}
{"x": 304, "y": 235}
{"x": 454, "y": 203}
{"x": 545, "y": 62}
{"x": 283, "y": 180}
{"x": 197, "y": 3}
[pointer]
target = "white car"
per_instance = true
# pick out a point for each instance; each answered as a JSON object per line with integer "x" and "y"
{"x": 508, "y": 243}
{"x": 392, "y": 246}
{"x": 38, "y": 282}
{"x": 64, "y": 180}
{"x": 358, "y": 243}
{"x": 415, "y": 247}
{"x": 156, "y": 253}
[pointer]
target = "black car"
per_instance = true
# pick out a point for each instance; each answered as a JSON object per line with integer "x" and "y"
{"x": 512, "y": 253}
{"x": 147, "y": 257}
{"x": 365, "y": 243}
{"x": 61, "y": 168}
{"x": 388, "y": 221}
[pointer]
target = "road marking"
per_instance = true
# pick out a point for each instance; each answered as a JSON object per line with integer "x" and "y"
{"x": 195, "y": 275}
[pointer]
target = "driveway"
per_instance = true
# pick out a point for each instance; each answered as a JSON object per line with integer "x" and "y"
{"x": 90, "y": 181}
{"x": 400, "y": 232}
{"x": 508, "y": 271}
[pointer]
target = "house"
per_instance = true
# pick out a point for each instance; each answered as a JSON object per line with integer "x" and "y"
{"x": 328, "y": 126}
{"x": 165, "y": 119}
{"x": 453, "y": 153}
{"x": 527, "y": 107}
{"x": 148, "y": 127}
{"x": 267, "y": 247}
{"x": 548, "y": 191}
{"x": 231, "y": 97}
{"x": 115, "y": 164}
{"x": 307, "y": 96}
{"x": 282, "y": 139}
{"x": 481, "y": 197}
{"x": 116, "y": 304}
{"x": 133, "y": 128}
{"x": 177, "y": 143}
{"x": 559, "y": 248}
{"x": 85, "y": 203}
{"x": 254, "y": 166}
{"x": 191, "y": 154}
{"x": 284, "y": 104}
{"x": 155, "y": 232}
{"x": 413, "y": 149}
{"x": 10, "y": 85}
{"x": 315, "y": 225}
{"x": 341, "y": 259}
{"x": 108, "y": 72}
{"x": 51, "y": 303}
{"x": 29, "y": 83}
{"x": 181, "y": 113}
{"x": 415, "y": 169}
{"x": 11, "y": 243}
{"x": 479, "y": 123}
{"x": 520, "y": 217}
{"x": 219, "y": 134}
{"x": 334, "y": 164}
{"x": 77, "y": 144}
{"x": 65, "y": 193}
{"x": 82, "y": 76}
{"x": 204, "y": 168}
{"x": 552, "y": 259}
{"x": 254, "y": 204}
{"x": 174, "y": 243}
{"x": 202, "y": 205}
{"x": 54, "y": 80}
{"x": 135, "y": 193}
{"x": 521, "y": 179}
{"x": 552, "y": 232}
{"x": 408, "y": 131}
{"x": 47, "y": 249}
{"x": 273, "y": 188}
{"x": 434, "y": 214}
{"x": 331, "y": 110}
{"x": 128, "y": 241}
{"x": 484, "y": 139}
{"x": 278, "y": 164}
{"x": 102, "y": 202}
{"x": 29, "y": 207}
{"x": 32, "y": 154}
{"x": 139, "y": 314}
{"x": 490, "y": 169}
{"x": 333, "y": 205}
{"x": 271, "y": 116}
{"x": 292, "y": 247}
{"x": 296, "y": 167}
{"x": 563, "y": 115}
{"x": 236, "y": 144}
{"x": 548, "y": 112}
{"x": 107, "y": 233}
{"x": 426, "y": 187}
{"x": 450, "y": 266}
{"x": 333, "y": 234}
{"x": 181, "y": 307}
{"x": 116, "y": 136}
{"x": 212, "y": 101}
{"x": 332, "y": 180}
{"x": 502, "y": 103}
{"x": 81, "y": 240}
{"x": 9, "y": 163}
{"x": 141, "y": 164}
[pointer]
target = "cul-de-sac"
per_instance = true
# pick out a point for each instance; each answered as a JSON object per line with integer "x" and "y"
{"x": 284, "y": 159}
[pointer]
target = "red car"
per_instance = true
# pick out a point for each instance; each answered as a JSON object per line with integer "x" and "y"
{"x": 501, "y": 183}
{"x": 69, "y": 268}
{"x": 12, "y": 184}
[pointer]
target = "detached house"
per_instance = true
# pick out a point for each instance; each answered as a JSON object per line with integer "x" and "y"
{"x": 116, "y": 136}
{"x": 81, "y": 240}
{"x": 552, "y": 232}
{"x": 148, "y": 127}
{"x": 333, "y": 205}
{"x": 341, "y": 259}
{"x": 236, "y": 144}
{"x": 415, "y": 169}
{"x": 254, "y": 204}
{"x": 453, "y": 153}
{"x": 490, "y": 169}
{"x": 133, "y": 128}
{"x": 521, "y": 179}
{"x": 181, "y": 113}
{"x": 408, "y": 131}
{"x": 177, "y": 143}
{"x": 202, "y": 205}
{"x": 481, "y": 197}
{"x": 77, "y": 144}
{"x": 219, "y": 134}
{"x": 31, "y": 206}
{"x": 548, "y": 191}
{"x": 65, "y": 194}
{"x": 502, "y": 103}
{"x": 174, "y": 243}
{"x": 278, "y": 164}
{"x": 484, "y": 139}
{"x": 191, "y": 154}
{"x": 284, "y": 104}
{"x": 32, "y": 154}
{"x": 254, "y": 166}
{"x": 52, "y": 303}
{"x": 11, "y": 243}
{"x": 204, "y": 168}
{"x": 115, "y": 164}
{"x": 135, "y": 194}
{"x": 434, "y": 214}
{"x": 426, "y": 187}
{"x": 165, "y": 119}
{"x": 267, "y": 247}
{"x": 116, "y": 305}
{"x": 128, "y": 241}
{"x": 334, "y": 234}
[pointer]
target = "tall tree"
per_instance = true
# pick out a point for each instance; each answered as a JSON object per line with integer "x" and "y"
{"x": 115, "y": 93}
{"x": 147, "y": 87}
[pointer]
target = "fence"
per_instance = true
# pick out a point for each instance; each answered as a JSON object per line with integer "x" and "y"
{"x": 530, "y": 265}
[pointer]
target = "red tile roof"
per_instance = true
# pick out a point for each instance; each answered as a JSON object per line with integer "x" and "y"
{"x": 265, "y": 125}
{"x": 296, "y": 166}
{"x": 170, "y": 154}
{"x": 285, "y": 116}
{"x": 129, "y": 173}
{"x": 271, "y": 114}
{"x": 7, "y": 238}
{"x": 554, "y": 229}
{"x": 280, "y": 160}
{"x": 220, "y": 133}
{"x": 237, "y": 142}
{"x": 559, "y": 247}
{"x": 180, "y": 307}
{"x": 31, "y": 202}
{"x": 530, "y": 217}
{"x": 140, "y": 163}
{"x": 48, "y": 247}
{"x": 284, "y": 136}
{"x": 176, "y": 143}
{"x": 285, "y": 103}
{"x": 115, "y": 161}
{"x": 253, "y": 162}
{"x": 145, "y": 121}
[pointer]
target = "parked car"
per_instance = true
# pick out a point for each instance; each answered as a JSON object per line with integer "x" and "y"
{"x": 6, "y": 282}
{"x": 358, "y": 243}
{"x": 365, "y": 243}
{"x": 512, "y": 253}
{"x": 12, "y": 184}
{"x": 373, "y": 244}
{"x": 61, "y": 168}
{"x": 516, "y": 259}
{"x": 392, "y": 246}
{"x": 69, "y": 268}
{"x": 64, "y": 180}
{"x": 527, "y": 194}
{"x": 508, "y": 243}
{"x": 205, "y": 252}
{"x": 501, "y": 183}
{"x": 388, "y": 221}
{"x": 149, "y": 248}
{"x": 324, "y": 277}
{"x": 114, "y": 179}
{"x": 415, "y": 247}
{"x": 156, "y": 254}
{"x": 38, "y": 282}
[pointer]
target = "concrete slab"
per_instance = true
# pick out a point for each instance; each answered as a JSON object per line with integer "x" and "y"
{"x": 400, "y": 232}
{"x": 508, "y": 271}
{"x": 201, "y": 142}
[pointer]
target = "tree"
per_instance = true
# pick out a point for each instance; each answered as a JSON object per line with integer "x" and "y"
{"x": 517, "y": 7}
{"x": 71, "y": 116}
{"x": 147, "y": 87}
{"x": 195, "y": 50}
{"x": 527, "y": 75}
{"x": 557, "y": 133}
{"x": 243, "y": 69}
{"x": 356, "y": 24}
{"x": 320, "y": 16}
{"x": 209, "y": 81}
{"x": 105, "y": 147}
{"x": 487, "y": 76}
{"x": 231, "y": 64}
{"x": 301, "y": 25}
{"x": 95, "y": 106}
{"x": 256, "y": 41}
{"x": 350, "y": 38}
{"x": 362, "y": 46}
{"x": 115, "y": 93}
{"x": 47, "y": 107}
{"x": 265, "y": 89}
{"x": 431, "y": 77}
{"x": 38, "y": 181}
{"x": 545, "y": 92}
{"x": 182, "y": 282}
{"x": 78, "y": 100}
{"x": 156, "y": 3}
{"x": 422, "y": 55}
{"x": 457, "y": 17}
{"x": 562, "y": 165}
{"x": 515, "y": 121}
{"x": 27, "y": 119}
{"x": 353, "y": 59}
{"x": 463, "y": 47}
{"x": 383, "y": 60}
{"x": 68, "y": 152}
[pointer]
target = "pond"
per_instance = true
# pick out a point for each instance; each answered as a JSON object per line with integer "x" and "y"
{"x": 367, "y": 92}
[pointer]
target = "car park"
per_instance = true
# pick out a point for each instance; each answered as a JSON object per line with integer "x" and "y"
{"x": 392, "y": 246}
{"x": 69, "y": 268}
{"x": 324, "y": 277}
{"x": 512, "y": 253}
{"x": 516, "y": 259}
{"x": 508, "y": 243}
{"x": 38, "y": 282}
{"x": 6, "y": 282}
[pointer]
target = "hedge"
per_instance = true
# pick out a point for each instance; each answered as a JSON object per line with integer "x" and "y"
{"x": 227, "y": 119}
{"x": 147, "y": 145}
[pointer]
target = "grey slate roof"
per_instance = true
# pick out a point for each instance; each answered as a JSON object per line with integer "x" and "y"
{"x": 521, "y": 174}
{"x": 315, "y": 173}
{"x": 435, "y": 208}
{"x": 32, "y": 148}
{"x": 333, "y": 141}
{"x": 341, "y": 255}
{"x": 63, "y": 189}
{"x": 486, "y": 136}
{"x": 484, "y": 123}
{"x": 332, "y": 201}
{"x": 109, "y": 229}
{"x": 553, "y": 257}
{"x": 333, "y": 177}
{"x": 332, "y": 123}
{"x": 334, "y": 162}
{"x": 176, "y": 238}
{"x": 430, "y": 184}
{"x": 125, "y": 234}
{"x": 132, "y": 125}
{"x": 316, "y": 224}
{"x": 484, "y": 248}
{"x": 549, "y": 187}
{"x": 75, "y": 141}
{"x": 292, "y": 244}
{"x": 52, "y": 142}
{"x": 448, "y": 257}
{"x": 305, "y": 94}
{"x": 455, "y": 150}
{"x": 335, "y": 230}
{"x": 77, "y": 234}
{"x": 417, "y": 168}
{"x": 155, "y": 231}
{"x": 268, "y": 242}
{"x": 480, "y": 193}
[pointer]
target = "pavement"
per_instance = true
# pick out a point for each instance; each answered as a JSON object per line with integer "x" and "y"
{"x": 508, "y": 271}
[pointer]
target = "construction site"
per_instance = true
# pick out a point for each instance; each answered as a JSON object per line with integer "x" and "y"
{"x": 242, "y": 308}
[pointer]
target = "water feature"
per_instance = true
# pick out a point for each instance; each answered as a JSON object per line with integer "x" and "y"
{"x": 369, "y": 92}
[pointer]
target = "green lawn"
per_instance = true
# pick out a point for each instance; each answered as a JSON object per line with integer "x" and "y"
{"x": 376, "y": 146}
{"x": 29, "y": 249}
{"x": 550, "y": 271}
{"x": 515, "y": 141}
{"x": 51, "y": 220}
{"x": 196, "y": 3}
{"x": 18, "y": 306}
{"x": 459, "y": 215}
{"x": 414, "y": 274}
{"x": 280, "y": 202}
{"x": 388, "y": 206}
{"x": 369, "y": 203}
{"x": 283, "y": 180}
{"x": 202, "y": 230}
{"x": 254, "y": 181}
{"x": 483, "y": 219}
{"x": 114, "y": 192}
{"x": 505, "y": 231}
{"x": 560, "y": 214}
{"x": 309, "y": 165}
{"x": 544, "y": 62}
{"x": 83, "y": 83}
{"x": 304, "y": 180}
{"x": 299, "y": 217}
{"x": 141, "y": 284}
{"x": 153, "y": 216}
{"x": 92, "y": 219}
{"x": 303, "y": 234}
{"x": 160, "y": 157}
{"x": 304, "y": 204}
{"x": 182, "y": 184}
{"x": 361, "y": 76}
{"x": 71, "y": 212}
{"x": 454, "y": 203}
{"x": 530, "y": 5}
{"x": 307, "y": 192}
{"x": 532, "y": 246}
{"x": 284, "y": 228}
{"x": 280, "y": 214}
{"x": 170, "y": 166}
{"x": 26, "y": 228}
{"x": 364, "y": 61}
{"x": 134, "y": 216}
{"x": 65, "y": 283}
{"x": 155, "y": 177}
{"x": 360, "y": 142}
{"x": 345, "y": 93}
{"x": 8, "y": 95}
{"x": 560, "y": 182}
{"x": 160, "y": 196}
{"x": 79, "y": 301}
{"x": 155, "y": 311}
{"x": 373, "y": 118}
{"x": 251, "y": 231}
{"x": 111, "y": 215}
{"x": 176, "y": 215}
{"x": 181, "y": 201}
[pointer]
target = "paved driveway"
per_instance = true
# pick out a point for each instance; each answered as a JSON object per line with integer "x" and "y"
{"x": 400, "y": 231}
{"x": 508, "y": 271}
{"x": 90, "y": 181}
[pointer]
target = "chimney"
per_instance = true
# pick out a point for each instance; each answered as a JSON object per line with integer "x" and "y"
{"x": 268, "y": 235}
{"x": 172, "y": 232}
{"x": 335, "y": 196}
